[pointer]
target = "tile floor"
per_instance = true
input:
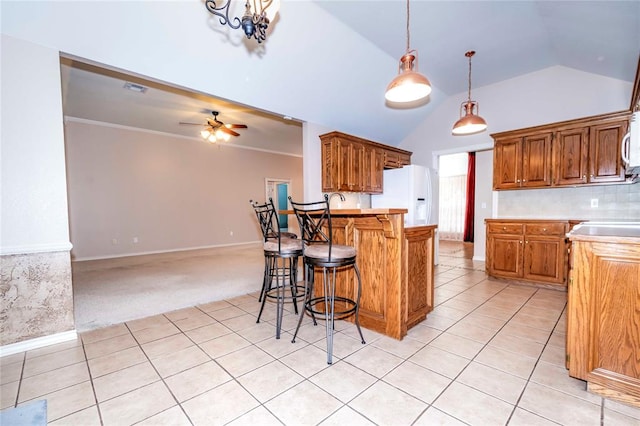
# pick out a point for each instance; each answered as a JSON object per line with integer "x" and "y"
{"x": 491, "y": 353}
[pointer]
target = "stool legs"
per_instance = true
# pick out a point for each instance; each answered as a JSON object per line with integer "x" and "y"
{"x": 283, "y": 269}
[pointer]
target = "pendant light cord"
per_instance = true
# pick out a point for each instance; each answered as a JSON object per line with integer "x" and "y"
{"x": 469, "y": 55}
{"x": 407, "y": 26}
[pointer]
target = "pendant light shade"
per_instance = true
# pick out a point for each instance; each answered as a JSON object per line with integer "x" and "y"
{"x": 409, "y": 85}
{"x": 469, "y": 123}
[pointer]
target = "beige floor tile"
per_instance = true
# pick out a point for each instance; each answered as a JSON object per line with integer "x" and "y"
{"x": 625, "y": 409}
{"x": 403, "y": 348}
{"x": 125, "y": 380}
{"x": 305, "y": 403}
{"x": 185, "y": 313}
{"x": 433, "y": 416}
{"x": 242, "y": 300}
{"x": 343, "y": 345}
{"x": 12, "y": 359}
{"x": 614, "y": 418}
{"x": 8, "y": 394}
{"x": 173, "y": 416}
{"x": 150, "y": 334}
{"x": 493, "y": 382}
{"x": 224, "y": 345}
{"x": 558, "y": 339}
{"x": 197, "y": 380}
{"x": 554, "y": 355}
{"x": 270, "y": 380}
{"x": 460, "y": 305}
{"x": 374, "y": 361}
{"x": 494, "y": 312}
{"x": 104, "y": 333}
{"x": 258, "y": 416}
{"x": 559, "y": 406}
{"x": 226, "y": 313}
{"x": 428, "y": 330}
{"x": 241, "y": 362}
{"x": 347, "y": 416}
{"x": 343, "y": 381}
{"x": 278, "y": 348}
{"x": 556, "y": 377}
{"x": 167, "y": 345}
{"x": 417, "y": 381}
{"x": 136, "y": 405}
{"x": 470, "y": 406}
{"x": 208, "y": 332}
{"x": 546, "y": 323}
{"x": 306, "y": 361}
{"x": 87, "y": 417}
{"x": 220, "y": 405}
{"x": 386, "y": 405}
{"x": 521, "y": 417}
{"x": 52, "y": 361}
{"x": 148, "y": 322}
{"x": 440, "y": 361}
{"x": 311, "y": 333}
{"x": 214, "y": 306}
{"x": 525, "y": 332}
{"x": 116, "y": 361}
{"x": 195, "y": 321}
{"x": 479, "y": 320}
{"x": 109, "y": 345}
{"x": 173, "y": 363}
{"x": 509, "y": 362}
{"x": 517, "y": 345}
{"x": 458, "y": 345}
{"x": 451, "y": 313}
{"x": 242, "y": 322}
{"x": 259, "y": 332}
{"x": 438, "y": 321}
{"x": 10, "y": 372}
{"x": 69, "y": 400}
{"x": 51, "y": 381}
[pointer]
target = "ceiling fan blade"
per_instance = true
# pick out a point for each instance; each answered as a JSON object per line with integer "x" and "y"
{"x": 229, "y": 131}
{"x": 192, "y": 124}
{"x": 236, "y": 126}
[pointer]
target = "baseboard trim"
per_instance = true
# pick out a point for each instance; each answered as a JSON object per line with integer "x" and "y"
{"x": 478, "y": 259}
{"x": 38, "y": 342}
{"x": 36, "y": 248}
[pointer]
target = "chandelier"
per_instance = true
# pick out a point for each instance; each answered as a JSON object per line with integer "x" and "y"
{"x": 258, "y": 14}
{"x": 409, "y": 85}
{"x": 470, "y": 123}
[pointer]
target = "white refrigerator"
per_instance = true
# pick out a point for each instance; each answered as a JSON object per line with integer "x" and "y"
{"x": 409, "y": 187}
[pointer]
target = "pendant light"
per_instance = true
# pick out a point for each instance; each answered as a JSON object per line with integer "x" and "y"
{"x": 470, "y": 123}
{"x": 409, "y": 85}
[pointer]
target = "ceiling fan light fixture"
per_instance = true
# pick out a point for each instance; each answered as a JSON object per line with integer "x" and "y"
{"x": 469, "y": 123}
{"x": 258, "y": 14}
{"x": 409, "y": 85}
{"x": 205, "y": 133}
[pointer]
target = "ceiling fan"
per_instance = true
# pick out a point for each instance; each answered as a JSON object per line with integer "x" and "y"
{"x": 215, "y": 130}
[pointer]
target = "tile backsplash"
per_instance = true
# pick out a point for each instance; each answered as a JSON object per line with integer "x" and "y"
{"x": 613, "y": 202}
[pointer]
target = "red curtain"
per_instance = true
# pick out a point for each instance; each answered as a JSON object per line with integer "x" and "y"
{"x": 471, "y": 195}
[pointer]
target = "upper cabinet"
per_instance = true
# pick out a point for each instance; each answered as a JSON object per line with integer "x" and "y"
{"x": 352, "y": 164}
{"x": 576, "y": 152}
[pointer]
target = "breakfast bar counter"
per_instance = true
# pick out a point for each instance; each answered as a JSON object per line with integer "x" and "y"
{"x": 396, "y": 267}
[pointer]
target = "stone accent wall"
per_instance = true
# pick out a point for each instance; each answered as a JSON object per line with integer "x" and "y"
{"x": 36, "y": 296}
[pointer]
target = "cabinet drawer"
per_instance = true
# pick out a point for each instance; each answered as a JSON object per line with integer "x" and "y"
{"x": 505, "y": 228}
{"x": 545, "y": 228}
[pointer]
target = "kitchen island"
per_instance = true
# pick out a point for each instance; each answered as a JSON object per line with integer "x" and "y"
{"x": 603, "y": 311}
{"x": 396, "y": 267}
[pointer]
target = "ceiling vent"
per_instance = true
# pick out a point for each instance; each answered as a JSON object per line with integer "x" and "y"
{"x": 135, "y": 87}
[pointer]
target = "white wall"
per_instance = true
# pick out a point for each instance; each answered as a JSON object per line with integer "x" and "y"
{"x": 34, "y": 195}
{"x": 166, "y": 192}
{"x": 483, "y": 202}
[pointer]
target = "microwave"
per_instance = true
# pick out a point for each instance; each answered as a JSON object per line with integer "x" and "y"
{"x": 631, "y": 146}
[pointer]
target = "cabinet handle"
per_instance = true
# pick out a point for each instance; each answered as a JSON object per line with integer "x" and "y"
{"x": 526, "y": 242}
{"x": 544, "y": 229}
{"x": 524, "y": 180}
{"x": 518, "y": 181}
{"x": 521, "y": 242}
{"x": 504, "y": 228}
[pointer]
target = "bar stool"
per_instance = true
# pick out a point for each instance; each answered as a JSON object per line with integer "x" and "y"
{"x": 319, "y": 251}
{"x": 281, "y": 253}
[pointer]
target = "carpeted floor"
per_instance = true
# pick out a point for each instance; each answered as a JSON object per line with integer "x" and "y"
{"x": 113, "y": 291}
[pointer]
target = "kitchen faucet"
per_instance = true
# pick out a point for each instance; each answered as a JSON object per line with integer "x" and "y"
{"x": 339, "y": 195}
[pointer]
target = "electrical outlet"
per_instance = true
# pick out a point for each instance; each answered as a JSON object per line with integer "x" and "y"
{"x": 135, "y": 240}
{"x": 114, "y": 241}
{"x": 231, "y": 233}
{"x": 594, "y": 203}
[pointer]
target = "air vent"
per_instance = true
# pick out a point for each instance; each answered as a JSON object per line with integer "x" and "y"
{"x": 135, "y": 87}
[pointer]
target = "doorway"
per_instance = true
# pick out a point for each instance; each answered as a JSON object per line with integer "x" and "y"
{"x": 278, "y": 190}
{"x": 452, "y": 198}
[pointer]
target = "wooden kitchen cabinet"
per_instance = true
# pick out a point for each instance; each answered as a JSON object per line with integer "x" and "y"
{"x": 352, "y": 164}
{"x": 585, "y": 151}
{"x": 418, "y": 272}
{"x": 603, "y": 312}
{"x": 528, "y": 250}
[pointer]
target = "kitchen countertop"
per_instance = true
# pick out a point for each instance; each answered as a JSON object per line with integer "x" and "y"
{"x": 606, "y": 231}
{"x": 357, "y": 212}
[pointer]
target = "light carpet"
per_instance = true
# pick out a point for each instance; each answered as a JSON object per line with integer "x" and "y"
{"x": 113, "y": 291}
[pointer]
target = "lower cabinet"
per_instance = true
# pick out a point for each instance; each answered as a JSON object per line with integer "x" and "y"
{"x": 418, "y": 272}
{"x": 528, "y": 250}
{"x": 603, "y": 316}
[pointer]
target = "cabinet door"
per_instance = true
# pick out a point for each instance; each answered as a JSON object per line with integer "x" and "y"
{"x": 329, "y": 168}
{"x": 545, "y": 259}
{"x": 507, "y": 163}
{"x": 418, "y": 273}
{"x": 605, "y": 163}
{"x": 504, "y": 255}
{"x": 373, "y": 165}
{"x": 536, "y": 160}
{"x": 570, "y": 153}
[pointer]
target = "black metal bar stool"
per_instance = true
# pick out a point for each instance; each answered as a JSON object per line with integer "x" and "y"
{"x": 281, "y": 253}
{"x": 319, "y": 251}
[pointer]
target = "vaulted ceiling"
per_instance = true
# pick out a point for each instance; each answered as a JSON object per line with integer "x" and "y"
{"x": 511, "y": 38}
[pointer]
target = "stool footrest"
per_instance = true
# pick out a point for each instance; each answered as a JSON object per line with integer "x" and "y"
{"x": 311, "y": 304}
